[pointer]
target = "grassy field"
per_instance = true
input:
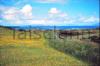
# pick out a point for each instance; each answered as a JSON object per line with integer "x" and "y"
{"x": 26, "y": 52}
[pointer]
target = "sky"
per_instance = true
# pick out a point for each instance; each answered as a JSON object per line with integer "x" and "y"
{"x": 49, "y": 12}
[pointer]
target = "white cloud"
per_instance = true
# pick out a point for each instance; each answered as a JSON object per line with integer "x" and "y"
{"x": 27, "y": 10}
{"x": 63, "y": 15}
{"x": 9, "y": 14}
{"x": 15, "y": 13}
{"x": 89, "y": 19}
{"x": 54, "y": 11}
{"x": 92, "y": 19}
{"x": 40, "y": 21}
{"x": 24, "y": 16}
{"x": 17, "y": 16}
{"x": 9, "y": 17}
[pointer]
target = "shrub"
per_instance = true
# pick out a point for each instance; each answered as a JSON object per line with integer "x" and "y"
{"x": 81, "y": 50}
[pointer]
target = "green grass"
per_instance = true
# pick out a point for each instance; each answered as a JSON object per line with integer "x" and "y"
{"x": 26, "y": 56}
{"x": 33, "y": 53}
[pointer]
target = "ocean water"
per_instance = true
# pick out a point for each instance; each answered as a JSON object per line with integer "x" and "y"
{"x": 53, "y": 27}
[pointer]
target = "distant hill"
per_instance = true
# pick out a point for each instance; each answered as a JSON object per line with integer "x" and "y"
{"x": 50, "y": 27}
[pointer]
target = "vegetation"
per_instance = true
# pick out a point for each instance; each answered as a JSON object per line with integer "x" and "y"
{"x": 85, "y": 49}
{"x": 26, "y": 52}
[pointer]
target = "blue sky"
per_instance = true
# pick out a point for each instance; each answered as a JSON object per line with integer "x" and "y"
{"x": 49, "y": 12}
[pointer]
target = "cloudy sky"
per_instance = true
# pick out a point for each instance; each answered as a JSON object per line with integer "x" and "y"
{"x": 49, "y": 12}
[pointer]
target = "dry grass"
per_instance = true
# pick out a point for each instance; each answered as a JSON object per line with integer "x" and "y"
{"x": 33, "y": 53}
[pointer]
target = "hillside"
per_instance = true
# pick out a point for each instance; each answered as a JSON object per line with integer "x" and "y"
{"x": 15, "y": 52}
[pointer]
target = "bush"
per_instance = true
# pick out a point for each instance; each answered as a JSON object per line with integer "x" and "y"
{"x": 80, "y": 50}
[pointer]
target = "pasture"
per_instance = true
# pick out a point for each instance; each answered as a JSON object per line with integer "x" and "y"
{"x": 39, "y": 52}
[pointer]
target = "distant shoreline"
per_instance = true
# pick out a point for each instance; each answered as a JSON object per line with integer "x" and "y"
{"x": 51, "y": 27}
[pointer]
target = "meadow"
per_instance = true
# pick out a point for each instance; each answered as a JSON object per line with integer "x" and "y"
{"x": 44, "y": 52}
